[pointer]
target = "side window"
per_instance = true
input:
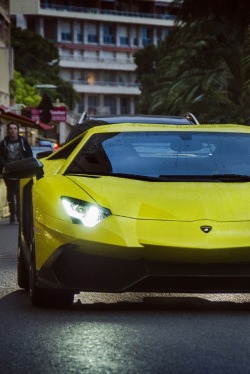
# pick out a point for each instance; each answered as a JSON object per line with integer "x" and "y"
{"x": 92, "y": 158}
{"x": 65, "y": 152}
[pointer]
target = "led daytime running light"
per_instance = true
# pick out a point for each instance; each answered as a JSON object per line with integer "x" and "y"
{"x": 89, "y": 214}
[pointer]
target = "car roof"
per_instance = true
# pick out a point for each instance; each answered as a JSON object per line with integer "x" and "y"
{"x": 86, "y": 122}
{"x": 164, "y": 120}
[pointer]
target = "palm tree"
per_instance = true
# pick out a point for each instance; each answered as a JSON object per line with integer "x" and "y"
{"x": 205, "y": 65}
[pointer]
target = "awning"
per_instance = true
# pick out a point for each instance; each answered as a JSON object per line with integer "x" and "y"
{"x": 8, "y": 115}
{"x": 44, "y": 126}
{"x": 159, "y": 3}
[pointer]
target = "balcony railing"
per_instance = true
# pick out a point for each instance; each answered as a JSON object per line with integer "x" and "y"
{"x": 120, "y": 13}
{"x": 105, "y": 83}
{"x": 96, "y": 59}
{"x": 111, "y": 109}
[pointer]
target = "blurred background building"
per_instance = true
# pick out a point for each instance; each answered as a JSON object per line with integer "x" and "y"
{"x": 96, "y": 40}
{"x": 6, "y": 56}
{"x": 6, "y": 74}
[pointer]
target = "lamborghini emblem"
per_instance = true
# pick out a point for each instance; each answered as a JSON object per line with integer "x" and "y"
{"x": 206, "y": 229}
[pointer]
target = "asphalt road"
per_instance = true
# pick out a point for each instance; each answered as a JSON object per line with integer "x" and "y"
{"x": 119, "y": 333}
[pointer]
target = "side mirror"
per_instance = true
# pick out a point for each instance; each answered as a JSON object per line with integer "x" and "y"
{"x": 26, "y": 168}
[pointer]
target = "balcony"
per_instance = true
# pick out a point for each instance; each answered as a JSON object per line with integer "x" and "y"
{"x": 95, "y": 11}
{"x": 104, "y": 87}
{"x": 104, "y": 110}
{"x": 78, "y": 62}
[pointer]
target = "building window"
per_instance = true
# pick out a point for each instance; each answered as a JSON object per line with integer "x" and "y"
{"x": 108, "y": 34}
{"x": 124, "y": 40}
{"x": 146, "y": 36}
{"x": 92, "y": 104}
{"x": 92, "y": 38}
{"x": 122, "y": 6}
{"x": 110, "y": 104}
{"x": 2, "y": 27}
{"x": 66, "y": 36}
{"x": 136, "y": 41}
{"x": 161, "y": 34}
{"x": 124, "y": 105}
{"x": 50, "y": 29}
{"x": 79, "y": 38}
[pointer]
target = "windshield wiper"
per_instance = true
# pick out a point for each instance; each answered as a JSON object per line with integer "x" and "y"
{"x": 207, "y": 178}
{"x": 135, "y": 176}
{"x": 172, "y": 177}
{"x": 118, "y": 175}
{"x": 231, "y": 177}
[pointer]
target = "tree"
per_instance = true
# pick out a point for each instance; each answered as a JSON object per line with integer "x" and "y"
{"x": 23, "y": 92}
{"x": 146, "y": 60}
{"x": 234, "y": 13}
{"x": 205, "y": 62}
{"x": 46, "y": 106}
{"x": 33, "y": 56}
{"x": 204, "y": 78}
{"x": 37, "y": 59}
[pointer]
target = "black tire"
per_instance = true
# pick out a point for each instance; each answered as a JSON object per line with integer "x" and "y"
{"x": 22, "y": 271}
{"x": 37, "y": 295}
{"x": 62, "y": 300}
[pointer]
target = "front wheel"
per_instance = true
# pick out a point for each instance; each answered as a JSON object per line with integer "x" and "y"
{"x": 37, "y": 295}
{"x": 40, "y": 297}
{"x": 22, "y": 271}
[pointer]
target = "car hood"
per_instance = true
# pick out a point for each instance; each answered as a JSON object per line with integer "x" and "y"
{"x": 174, "y": 201}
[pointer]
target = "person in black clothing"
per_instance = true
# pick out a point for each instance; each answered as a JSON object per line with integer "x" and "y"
{"x": 13, "y": 147}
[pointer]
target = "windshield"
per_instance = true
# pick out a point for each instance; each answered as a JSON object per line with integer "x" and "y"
{"x": 164, "y": 155}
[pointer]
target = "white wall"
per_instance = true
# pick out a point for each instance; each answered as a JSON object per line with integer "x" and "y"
{"x": 4, "y": 210}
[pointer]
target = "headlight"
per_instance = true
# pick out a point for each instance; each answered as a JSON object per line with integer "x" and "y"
{"x": 82, "y": 211}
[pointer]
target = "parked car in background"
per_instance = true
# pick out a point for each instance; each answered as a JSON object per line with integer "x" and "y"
{"x": 45, "y": 148}
{"x": 137, "y": 207}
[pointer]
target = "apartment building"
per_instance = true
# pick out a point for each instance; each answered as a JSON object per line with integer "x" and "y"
{"x": 97, "y": 40}
{"x": 6, "y": 58}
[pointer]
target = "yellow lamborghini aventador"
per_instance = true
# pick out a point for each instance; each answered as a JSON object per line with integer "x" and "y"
{"x": 134, "y": 206}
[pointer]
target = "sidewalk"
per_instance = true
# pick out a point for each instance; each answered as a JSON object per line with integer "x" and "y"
{"x": 6, "y": 221}
{"x": 4, "y": 210}
{"x": 8, "y": 238}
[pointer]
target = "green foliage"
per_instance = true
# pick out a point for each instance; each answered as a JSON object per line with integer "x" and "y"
{"x": 33, "y": 55}
{"x": 37, "y": 59}
{"x": 234, "y": 13}
{"x": 24, "y": 93}
{"x": 204, "y": 66}
{"x": 146, "y": 60}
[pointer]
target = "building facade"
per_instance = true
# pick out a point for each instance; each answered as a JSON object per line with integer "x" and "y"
{"x": 6, "y": 56}
{"x": 6, "y": 74}
{"x": 97, "y": 40}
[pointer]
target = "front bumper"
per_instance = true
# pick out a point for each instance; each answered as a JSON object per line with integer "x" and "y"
{"x": 70, "y": 269}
